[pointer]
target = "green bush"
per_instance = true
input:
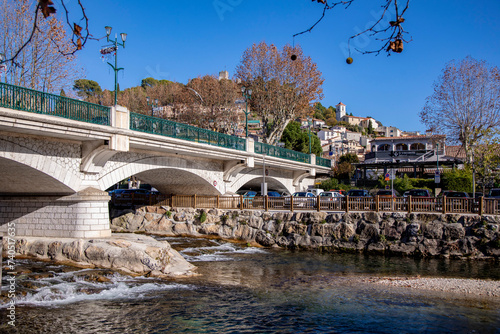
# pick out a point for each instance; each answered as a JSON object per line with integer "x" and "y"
{"x": 203, "y": 217}
{"x": 458, "y": 179}
{"x": 168, "y": 214}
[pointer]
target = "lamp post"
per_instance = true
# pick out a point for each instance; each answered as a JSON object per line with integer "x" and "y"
{"x": 115, "y": 49}
{"x": 3, "y": 67}
{"x": 247, "y": 95}
{"x": 309, "y": 122}
{"x": 152, "y": 104}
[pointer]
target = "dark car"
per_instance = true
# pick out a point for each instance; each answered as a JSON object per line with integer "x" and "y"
{"x": 386, "y": 193}
{"x": 419, "y": 193}
{"x": 358, "y": 193}
{"x": 494, "y": 193}
{"x": 273, "y": 194}
{"x": 457, "y": 194}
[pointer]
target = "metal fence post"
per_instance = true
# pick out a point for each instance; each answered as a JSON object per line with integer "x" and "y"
{"x": 318, "y": 204}
{"x": 376, "y": 203}
{"x": 347, "y": 204}
{"x": 444, "y": 204}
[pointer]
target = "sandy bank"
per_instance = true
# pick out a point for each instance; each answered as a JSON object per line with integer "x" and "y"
{"x": 475, "y": 287}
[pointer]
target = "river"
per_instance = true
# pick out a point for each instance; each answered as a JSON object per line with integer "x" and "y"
{"x": 244, "y": 289}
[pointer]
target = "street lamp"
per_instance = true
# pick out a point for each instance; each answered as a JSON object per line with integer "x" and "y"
{"x": 3, "y": 67}
{"x": 309, "y": 122}
{"x": 152, "y": 104}
{"x": 247, "y": 95}
{"x": 114, "y": 49}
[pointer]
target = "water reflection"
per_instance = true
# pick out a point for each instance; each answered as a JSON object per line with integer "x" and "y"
{"x": 253, "y": 290}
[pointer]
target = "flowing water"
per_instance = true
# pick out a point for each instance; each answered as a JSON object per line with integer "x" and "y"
{"x": 251, "y": 290}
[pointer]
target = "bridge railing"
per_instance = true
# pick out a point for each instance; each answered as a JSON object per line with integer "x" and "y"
{"x": 481, "y": 206}
{"x": 20, "y": 98}
{"x": 323, "y": 162}
{"x": 164, "y": 127}
{"x": 280, "y": 152}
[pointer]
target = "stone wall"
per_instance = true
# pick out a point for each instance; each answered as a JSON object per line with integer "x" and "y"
{"x": 423, "y": 235}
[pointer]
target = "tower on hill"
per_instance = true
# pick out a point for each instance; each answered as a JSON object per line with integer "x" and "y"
{"x": 340, "y": 111}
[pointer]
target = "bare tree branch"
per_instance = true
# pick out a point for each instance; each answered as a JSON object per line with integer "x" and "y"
{"x": 392, "y": 43}
{"x": 78, "y": 39}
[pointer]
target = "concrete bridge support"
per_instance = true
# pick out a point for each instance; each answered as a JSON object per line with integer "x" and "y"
{"x": 81, "y": 215}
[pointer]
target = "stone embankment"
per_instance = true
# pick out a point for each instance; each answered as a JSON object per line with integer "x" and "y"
{"x": 422, "y": 235}
{"x": 128, "y": 253}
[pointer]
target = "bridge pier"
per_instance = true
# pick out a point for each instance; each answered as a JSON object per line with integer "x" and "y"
{"x": 84, "y": 214}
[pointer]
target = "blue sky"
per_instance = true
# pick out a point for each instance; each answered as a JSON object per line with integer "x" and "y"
{"x": 180, "y": 40}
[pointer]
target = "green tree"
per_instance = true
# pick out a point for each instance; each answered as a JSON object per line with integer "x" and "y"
{"x": 486, "y": 159}
{"x": 370, "y": 127}
{"x": 149, "y": 82}
{"x": 458, "y": 179}
{"x": 345, "y": 168}
{"x": 86, "y": 88}
{"x": 298, "y": 140}
{"x": 350, "y": 158}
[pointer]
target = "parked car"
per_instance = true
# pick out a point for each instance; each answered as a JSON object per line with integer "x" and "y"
{"x": 273, "y": 194}
{"x": 419, "y": 193}
{"x": 494, "y": 193}
{"x": 331, "y": 196}
{"x": 301, "y": 199}
{"x": 315, "y": 192}
{"x": 341, "y": 191}
{"x": 457, "y": 194}
{"x": 387, "y": 193}
{"x": 358, "y": 193}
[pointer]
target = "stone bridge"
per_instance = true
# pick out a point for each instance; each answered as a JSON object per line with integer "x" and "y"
{"x": 58, "y": 156}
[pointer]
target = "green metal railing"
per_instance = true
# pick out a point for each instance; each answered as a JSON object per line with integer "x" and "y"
{"x": 159, "y": 126}
{"x": 20, "y": 98}
{"x": 323, "y": 162}
{"x": 280, "y": 152}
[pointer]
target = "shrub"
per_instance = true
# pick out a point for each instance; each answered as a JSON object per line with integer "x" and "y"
{"x": 202, "y": 217}
{"x": 168, "y": 214}
{"x": 458, "y": 179}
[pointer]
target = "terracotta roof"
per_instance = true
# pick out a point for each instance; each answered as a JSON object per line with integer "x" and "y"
{"x": 354, "y": 117}
{"x": 455, "y": 151}
{"x": 341, "y": 104}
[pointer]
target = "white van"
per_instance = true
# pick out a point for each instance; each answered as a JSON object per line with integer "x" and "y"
{"x": 315, "y": 192}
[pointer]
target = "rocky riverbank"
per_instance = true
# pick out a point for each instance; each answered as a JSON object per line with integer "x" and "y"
{"x": 422, "y": 235}
{"x": 128, "y": 253}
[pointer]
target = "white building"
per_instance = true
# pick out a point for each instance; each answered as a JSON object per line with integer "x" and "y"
{"x": 388, "y": 131}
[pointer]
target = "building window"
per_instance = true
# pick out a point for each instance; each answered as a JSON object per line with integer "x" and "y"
{"x": 384, "y": 147}
{"x": 417, "y": 146}
{"x": 401, "y": 147}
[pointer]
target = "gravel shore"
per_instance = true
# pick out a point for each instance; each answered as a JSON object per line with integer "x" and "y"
{"x": 474, "y": 287}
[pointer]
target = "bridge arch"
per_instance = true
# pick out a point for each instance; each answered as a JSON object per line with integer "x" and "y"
{"x": 26, "y": 170}
{"x": 170, "y": 175}
{"x": 253, "y": 178}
